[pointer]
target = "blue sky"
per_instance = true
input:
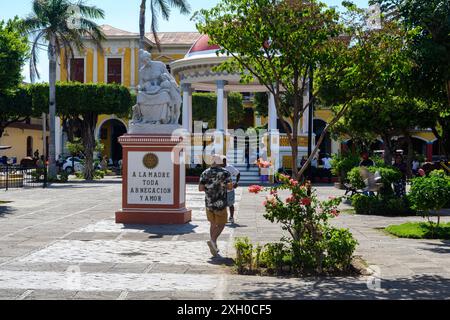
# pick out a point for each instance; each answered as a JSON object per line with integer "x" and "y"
{"x": 124, "y": 14}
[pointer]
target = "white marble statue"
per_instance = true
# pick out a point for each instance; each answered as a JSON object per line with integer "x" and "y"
{"x": 159, "y": 99}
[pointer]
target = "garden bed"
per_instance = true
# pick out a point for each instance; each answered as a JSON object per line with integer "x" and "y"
{"x": 420, "y": 230}
{"x": 358, "y": 267}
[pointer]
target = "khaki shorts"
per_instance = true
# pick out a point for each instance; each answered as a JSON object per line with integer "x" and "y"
{"x": 217, "y": 217}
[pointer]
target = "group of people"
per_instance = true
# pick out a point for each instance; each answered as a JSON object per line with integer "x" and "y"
{"x": 326, "y": 166}
{"x": 219, "y": 183}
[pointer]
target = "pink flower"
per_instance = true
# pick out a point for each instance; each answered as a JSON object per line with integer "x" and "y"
{"x": 273, "y": 192}
{"x": 255, "y": 189}
{"x": 422, "y": 172}
{"x": 332, "y": 198}
{"x": 269, "y": 201}
{"x": 335, "y": 212}
{"x": 291, "y": 199}
{"x": 284, "y": 177}
{"x": 293, "y": 182}
{"x": 306, "y": 201}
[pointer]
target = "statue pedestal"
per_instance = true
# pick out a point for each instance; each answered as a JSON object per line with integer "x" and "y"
{"x": 154, "y": 186}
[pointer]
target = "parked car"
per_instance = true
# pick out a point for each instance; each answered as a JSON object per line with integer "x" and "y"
{"x": 70, "y": 163}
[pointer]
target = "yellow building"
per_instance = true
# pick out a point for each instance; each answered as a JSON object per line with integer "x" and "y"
{"x": 25, "y": 139}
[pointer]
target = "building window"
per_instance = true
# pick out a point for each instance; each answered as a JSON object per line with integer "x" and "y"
{"x": 30, "y": 147}
{"x": 115, "y": 70}
{"x": 77, "y": 70}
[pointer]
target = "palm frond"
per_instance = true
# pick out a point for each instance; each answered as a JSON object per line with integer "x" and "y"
{"x": 34, "y": 56}
{"x": 154, "y": 25}
{"x": 163, "y": 7}
{"x": 182, "y": 5}
{"x": 91, "y": 12}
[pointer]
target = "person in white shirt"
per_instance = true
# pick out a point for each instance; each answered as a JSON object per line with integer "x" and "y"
{"x": 231, "y": 195}
{"x": 327, "y": 167}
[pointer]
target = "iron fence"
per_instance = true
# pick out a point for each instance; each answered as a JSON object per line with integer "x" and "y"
{"x": 17, "y": 177}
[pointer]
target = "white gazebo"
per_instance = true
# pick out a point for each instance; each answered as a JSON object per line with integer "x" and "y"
{"x": 195, "y": 73}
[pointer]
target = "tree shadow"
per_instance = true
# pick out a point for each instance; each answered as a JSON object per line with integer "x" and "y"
{"x": 418, "y": 287}
{"x": 5, "y": 209}
{"x": 441, "y": 248}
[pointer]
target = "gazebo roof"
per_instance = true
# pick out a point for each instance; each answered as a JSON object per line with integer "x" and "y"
{"x": 196, "y": 69}
{"x": 202, "y": 46}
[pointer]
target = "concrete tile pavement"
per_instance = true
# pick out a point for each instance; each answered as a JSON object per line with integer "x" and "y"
{"x": 50, "y": 239}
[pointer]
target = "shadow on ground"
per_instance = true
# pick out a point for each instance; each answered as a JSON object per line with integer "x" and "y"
{"x": 163, "y": 230}
{"x": 418, "y": 287}
{"x": 442, "y": 247}
{"x": 5, "y": 209}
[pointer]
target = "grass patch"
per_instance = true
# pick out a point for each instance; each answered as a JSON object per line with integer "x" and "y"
{"x": 420, "y": 230}
{"x": 4, "y": 202}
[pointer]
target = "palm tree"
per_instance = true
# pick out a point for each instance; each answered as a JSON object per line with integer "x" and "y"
{"x": 159, "y": 7}
{"x": 58, "y": 25}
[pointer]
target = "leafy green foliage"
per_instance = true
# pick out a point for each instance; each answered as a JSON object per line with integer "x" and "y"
{"x": 204, "y": 107}
{"x": 343, "y": 163}
{"x": 261, "y": 39}
{"x": 429, "y": 21}
{"x": 15, "y": 105}
{"x": 380, "y": 206}
{"x": 13, "y": 54}
{"x": 430, "y": 194}
{"x": 83, "y": 103}
{"x": 314, "y": 246}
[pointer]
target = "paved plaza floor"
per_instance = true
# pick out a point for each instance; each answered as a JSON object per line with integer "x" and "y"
{"x": 63, "y": 243}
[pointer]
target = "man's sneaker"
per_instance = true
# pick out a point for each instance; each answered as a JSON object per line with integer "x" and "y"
{"x": 231, "y": 220}
{"x": 212, "y": 248}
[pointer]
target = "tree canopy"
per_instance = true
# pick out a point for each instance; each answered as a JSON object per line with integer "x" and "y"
{"x": 276, "y": 43}
{"x": 82, "y": 104}
{"x": 204, "y": 106}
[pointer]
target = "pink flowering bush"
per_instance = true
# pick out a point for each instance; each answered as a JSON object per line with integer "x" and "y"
{"x": 313, "y": 245}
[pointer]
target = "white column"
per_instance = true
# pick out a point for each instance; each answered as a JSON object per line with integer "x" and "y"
{"x": 273, "y": 117}
{"x": 58, "y": 137}
{"x": 225, "y": 111}
{"x": 305, "y": 126}
{"x": 221, "y": 108}
{"x": 187, "y": 107}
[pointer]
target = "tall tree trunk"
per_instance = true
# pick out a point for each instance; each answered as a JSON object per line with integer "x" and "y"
{"x": 52, "y": 109}
{"x": 410, "y": 156}
{"x": 88, "y": 132}
{"x": 388, "y": 149}
{"x": 142, "y": 25}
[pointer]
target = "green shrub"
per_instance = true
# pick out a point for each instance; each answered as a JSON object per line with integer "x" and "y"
{"x": 379, "y": 205}
{"x": 430, "y": 194}
{"x": 340, "y": 248}
{"x": 63, "y": 177}
{"x": 342, "y": 164}
{"x": 273, "y": 256}
{"x": 244, "y": 254}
